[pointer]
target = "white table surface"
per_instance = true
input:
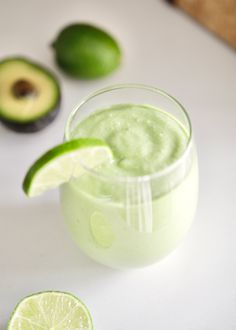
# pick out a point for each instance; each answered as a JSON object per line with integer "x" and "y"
{"x": 195, "y": 287}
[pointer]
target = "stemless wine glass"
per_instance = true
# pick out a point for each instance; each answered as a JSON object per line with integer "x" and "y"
{"x": 131, "y": 221}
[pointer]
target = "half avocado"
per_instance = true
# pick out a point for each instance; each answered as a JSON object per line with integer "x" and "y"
{"x": 29, "y": 95}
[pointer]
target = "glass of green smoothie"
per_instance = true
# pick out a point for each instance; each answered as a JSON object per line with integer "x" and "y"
{"x": 135, "y": 209}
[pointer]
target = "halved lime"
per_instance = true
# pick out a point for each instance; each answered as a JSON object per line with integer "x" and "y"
{"x": 63, "y": 162}
{"x": 50, "y": 310}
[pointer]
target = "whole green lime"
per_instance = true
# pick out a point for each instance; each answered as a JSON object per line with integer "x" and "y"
{"x": 85, "y": 51}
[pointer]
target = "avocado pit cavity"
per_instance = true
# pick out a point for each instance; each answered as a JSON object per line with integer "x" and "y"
{"x": 23, "y": 88}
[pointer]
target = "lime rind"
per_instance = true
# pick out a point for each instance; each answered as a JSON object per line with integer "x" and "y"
{"x": 86, "y": 51}
{"x": 36, "y": 300}
{"x": 62, "y": 162}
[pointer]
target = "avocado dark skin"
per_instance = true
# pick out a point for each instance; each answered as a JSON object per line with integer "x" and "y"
{"x": 34, "y": 126}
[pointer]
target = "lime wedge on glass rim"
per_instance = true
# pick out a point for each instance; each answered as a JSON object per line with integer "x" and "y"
{"x": 61, "y": 163}
{"x": 50, "y": 310}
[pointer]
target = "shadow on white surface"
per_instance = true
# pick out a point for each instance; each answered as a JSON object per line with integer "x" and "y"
{"x": 34, "y": 238}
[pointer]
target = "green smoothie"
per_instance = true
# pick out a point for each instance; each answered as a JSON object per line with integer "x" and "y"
{"x": 134, "y": 210}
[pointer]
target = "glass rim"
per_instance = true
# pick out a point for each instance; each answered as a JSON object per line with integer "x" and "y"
{"x": 142, "y": 178}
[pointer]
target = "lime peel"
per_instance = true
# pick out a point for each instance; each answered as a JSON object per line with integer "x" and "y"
{"x": 61, "y": 163}
{"x": 86, "y": 51}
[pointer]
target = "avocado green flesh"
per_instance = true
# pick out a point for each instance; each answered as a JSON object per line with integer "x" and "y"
{"x": 32, "y": 126}
{"x": 87, "y": 52}
{"x": 27, "y": 110}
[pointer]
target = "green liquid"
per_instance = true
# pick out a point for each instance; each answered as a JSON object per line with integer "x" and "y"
{"x": 132, "y": 224}
{"x": 143, "y": 139}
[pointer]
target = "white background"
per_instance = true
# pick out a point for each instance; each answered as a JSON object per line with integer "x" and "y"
{"x": 195, "y": 287}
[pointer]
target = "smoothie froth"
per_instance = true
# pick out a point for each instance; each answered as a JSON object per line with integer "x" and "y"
{"x": 143, "y": 139}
